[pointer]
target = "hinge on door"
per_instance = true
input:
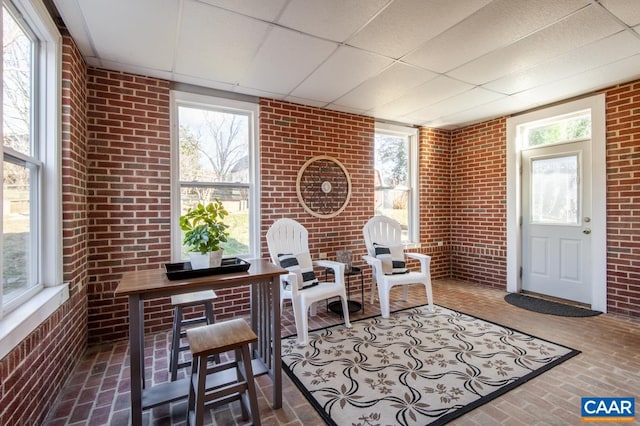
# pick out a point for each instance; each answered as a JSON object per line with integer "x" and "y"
{"x": 521, "y": 272}
{"x": 520, "y": 221}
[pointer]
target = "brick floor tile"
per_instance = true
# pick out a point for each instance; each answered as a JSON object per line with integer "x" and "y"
{"x": 609, "y": 363}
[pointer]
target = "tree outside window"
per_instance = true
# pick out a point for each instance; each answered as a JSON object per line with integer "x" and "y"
{"x": 215, "y": 162}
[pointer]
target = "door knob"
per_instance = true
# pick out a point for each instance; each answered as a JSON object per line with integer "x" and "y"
{"x": 586, "y": 231}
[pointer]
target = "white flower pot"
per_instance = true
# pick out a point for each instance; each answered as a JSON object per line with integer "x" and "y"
{"x": 215, "y": 258}
{"x": 199, "y": 260}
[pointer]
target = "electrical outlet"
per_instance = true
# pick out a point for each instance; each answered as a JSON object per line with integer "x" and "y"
{"x": 440, "y": 243}
{"x": 322, "y": 256}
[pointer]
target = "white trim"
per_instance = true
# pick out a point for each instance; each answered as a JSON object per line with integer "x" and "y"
{"x": 598, "y": 214}
{"x": 22, "y": 321}
{"x": 176, "y": 98}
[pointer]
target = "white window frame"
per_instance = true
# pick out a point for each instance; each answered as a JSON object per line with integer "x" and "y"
{"x": 206, "y": 101}
{"x": 18, "y": 323}
{"x": 412, "y": 134}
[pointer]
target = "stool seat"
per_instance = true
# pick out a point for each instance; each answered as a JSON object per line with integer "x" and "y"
{"x": 194, "y": 298}
{"x": 181, "y": 302}
{"x": 210, "y": 340}
{"x": 221, "y": 337}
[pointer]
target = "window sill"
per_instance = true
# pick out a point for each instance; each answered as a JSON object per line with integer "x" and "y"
{"x": 410, "y": 246}
{"x": 19, "y": 323}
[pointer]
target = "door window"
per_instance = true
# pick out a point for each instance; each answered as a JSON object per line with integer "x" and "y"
{"x": 554, "y": 190}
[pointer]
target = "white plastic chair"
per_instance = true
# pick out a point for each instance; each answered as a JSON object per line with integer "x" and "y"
{"x": 286, "y": 236}
{"x": 387, "y": 232}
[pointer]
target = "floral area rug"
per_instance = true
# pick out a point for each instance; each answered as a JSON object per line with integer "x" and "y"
{"x": 415, "y": 368}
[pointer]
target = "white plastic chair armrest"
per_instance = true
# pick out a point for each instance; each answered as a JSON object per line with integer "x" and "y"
{"x": 425, "y": 261}
{"x": 376, "y": 264}
{"x": 338, "y": 269}
{"x": 292, "y": 279}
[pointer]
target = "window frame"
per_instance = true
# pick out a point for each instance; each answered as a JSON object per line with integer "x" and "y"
{"x": 412, "y": 135}
{"x": 51, "y": 292}
{"x": 178, "y": 98}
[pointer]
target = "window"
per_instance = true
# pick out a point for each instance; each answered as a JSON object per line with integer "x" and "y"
{"x": 31, "y": 208}
{"x": 565, "y": 128}
{"x": 396, "y": 177}
{"x": 214, "y": 153}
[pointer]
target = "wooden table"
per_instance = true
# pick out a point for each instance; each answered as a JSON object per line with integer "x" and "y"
{"x": 139, "y": 286}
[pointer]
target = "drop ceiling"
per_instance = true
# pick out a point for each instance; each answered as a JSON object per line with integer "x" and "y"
{"x": 437, "y": 63}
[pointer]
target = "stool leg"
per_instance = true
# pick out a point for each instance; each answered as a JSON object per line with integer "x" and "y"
{"x": 191, "y": 403}
{"x": 251, "y": 386}
{"x": 211, "y": 319}
{"x": 175, "y": 343}
{"x": 201, "y": 381}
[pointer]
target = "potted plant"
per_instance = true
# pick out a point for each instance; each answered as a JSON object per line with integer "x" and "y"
{"x": 204, "y": 233}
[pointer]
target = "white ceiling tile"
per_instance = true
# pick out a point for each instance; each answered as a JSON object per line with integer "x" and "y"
{"x": 463, "y": 101}
{"x": 627, "y": 10}
{"x": 594, "y": 55}
{"x": 285, "y": 59}
{"x": 304, "y": 101}
{"x": 429, "y": 93}
{"x": 385, "y": 87}
{"x": 496, "y": 25}
{"x": 266, "y": 10}
{"x": 624, "y": 70}
{"x": 345, "y": 69}
{"x": 346, "y": 109}
{"x": 216, "y": 44}
{"x": 583, "y": 27}
{"x": 125, "y": 38}
{"x": 332, "y": 19}
{"x": 406, "y": 24}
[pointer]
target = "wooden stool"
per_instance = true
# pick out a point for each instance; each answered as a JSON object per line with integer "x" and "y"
{"x": 180, "y": 302}
{"x": 220, "y": 384}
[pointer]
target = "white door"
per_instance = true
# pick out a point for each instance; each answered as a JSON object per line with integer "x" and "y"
{"x": 556, "y": 210}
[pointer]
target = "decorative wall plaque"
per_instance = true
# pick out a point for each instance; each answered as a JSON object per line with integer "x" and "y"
{"x": 323, "y": 186}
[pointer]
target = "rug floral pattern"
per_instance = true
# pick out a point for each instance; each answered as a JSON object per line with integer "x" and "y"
{"x": 415, "y": 368}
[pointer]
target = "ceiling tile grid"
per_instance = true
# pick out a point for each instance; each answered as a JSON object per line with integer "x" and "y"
{"x": 441, "y": 63}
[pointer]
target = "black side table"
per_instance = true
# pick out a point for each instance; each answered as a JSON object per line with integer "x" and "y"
{"x": 354, "y": 306}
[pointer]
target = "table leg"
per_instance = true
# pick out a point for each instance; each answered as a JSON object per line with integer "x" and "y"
{"x": 136, "y": 348}
{"x": 265, "y": 321}
{"x": 277, "y": 343}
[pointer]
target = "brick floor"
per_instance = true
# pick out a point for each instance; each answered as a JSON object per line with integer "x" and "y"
{"x": 609, "y": 365}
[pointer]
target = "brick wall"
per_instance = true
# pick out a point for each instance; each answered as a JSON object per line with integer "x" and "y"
{"x": 128, "y": 193}
{"x": 478, "y": 203}
{"x": 291, "y": 134}
{"x": 435, "y": 199}
{"x": 33, "y": 373}
{"x": 623, "y": 198}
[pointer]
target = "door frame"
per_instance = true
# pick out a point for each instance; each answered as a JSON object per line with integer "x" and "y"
{"x": 598, "y": 176}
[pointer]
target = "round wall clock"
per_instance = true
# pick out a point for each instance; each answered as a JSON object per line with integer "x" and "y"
{"x": 323, "y": 186}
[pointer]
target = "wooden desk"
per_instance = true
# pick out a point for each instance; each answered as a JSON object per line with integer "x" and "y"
{"x": 138, "y": 286}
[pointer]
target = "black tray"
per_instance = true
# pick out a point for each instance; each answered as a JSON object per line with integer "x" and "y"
{"x": 182, "y": 270}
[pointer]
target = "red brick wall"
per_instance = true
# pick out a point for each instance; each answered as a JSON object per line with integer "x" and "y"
{"x": 435, "y": 199}
{"x": 623, "y": 198}
{"x": 478, "y": 203}
{"x": 33, "y": 373}
{"x": 291, "y": 134}
{"x": 128, "y": 193}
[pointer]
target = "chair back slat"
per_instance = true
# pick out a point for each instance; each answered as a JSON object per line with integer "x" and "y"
{"x": 286, "y": 236}
{"x": 381, "y": 230}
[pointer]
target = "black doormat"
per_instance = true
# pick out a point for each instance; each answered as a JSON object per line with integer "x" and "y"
{"x": 548, "y": 307}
